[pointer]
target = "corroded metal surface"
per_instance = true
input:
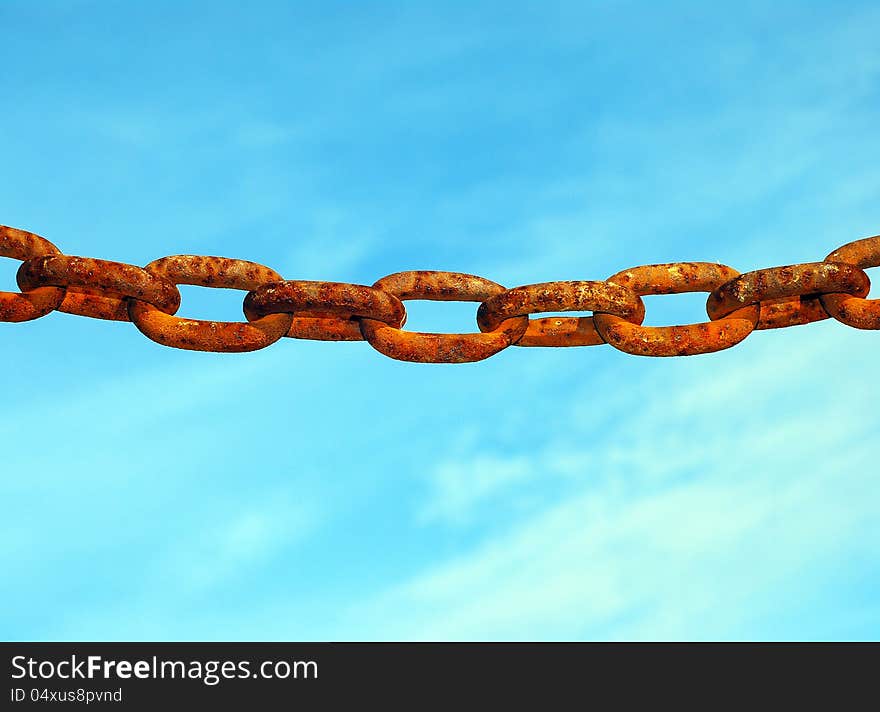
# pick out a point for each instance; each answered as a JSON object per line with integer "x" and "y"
{"x": 107, "y": 284}
{"x": 206, "y": 335}
{"x": 790, "y": 311}
{"x": 561, "y": 331}
{"x": 561, "y": 297}
{"x": 81, "y": 301}
{"x": 33, "y": 303}
{"x": 441, "y": 348}
{"x": 738, "y": 304}
{"x": 679, "y": 340}
{"x": 855, "y": 311}
{"x": 325, "y": 311}
{"x": 789, "y": 282}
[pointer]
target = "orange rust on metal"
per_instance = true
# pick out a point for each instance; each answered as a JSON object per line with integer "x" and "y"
{"x": 107, "y": 285}
{"x": 325, "y": 311}
{"x": 790, "y": 311}
{"x": 561, "y": 296}
{"x": 94, "y": 304}
{"x": 789, "y": 282}
{"x": 320, "y": 329}
{"x": 331, "y": 311}
{"x": 561, "y": 331}
{"x": 206, "y": 335}
{"x": 855, "y": 311}
{"x": 32, "y": 303}
{"x": 441, "y": 348}
{"x": 679, "y": 340}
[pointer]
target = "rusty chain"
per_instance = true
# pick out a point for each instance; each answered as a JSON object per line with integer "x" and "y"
{"x": 738, "y": 304}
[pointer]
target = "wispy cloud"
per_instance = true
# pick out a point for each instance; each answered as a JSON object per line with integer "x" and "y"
{"x": 460, "y": 486}
{"x": 228, "y": 549}
{"x": 729, "y": 473}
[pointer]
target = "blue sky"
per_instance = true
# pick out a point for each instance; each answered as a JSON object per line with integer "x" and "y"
{"x": 321, "y": 491}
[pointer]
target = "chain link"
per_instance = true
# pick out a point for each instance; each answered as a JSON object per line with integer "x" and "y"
{"x": 33, "y": 303}
{"x": 441, "y": 348}
{"x": 853, "y": 310}
{"x": 686, "y": 340}
{"x": 198, "y": 335}
{"x": 562, "y": 296}
{"x": 738, "y": 304}
{"x": 325, "y": 311}
{"x": 104, "y": 285}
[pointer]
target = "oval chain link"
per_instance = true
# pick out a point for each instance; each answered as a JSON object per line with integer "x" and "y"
{"x": 30, "y": 303}
{"x": 441, "y": 348}
{"x": 789, "y": 282}
{"x": 854, "y": 310}
{"x": 206, "y": 335}
{"x": 108, "y": 285}
{"x": 332, "y": 309}
{"x": 561, "y": 297}
{"x": 684, "y": 340}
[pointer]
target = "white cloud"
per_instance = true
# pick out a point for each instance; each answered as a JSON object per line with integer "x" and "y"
{"x": 332, "y": 247}
{"x": 733, "y": 492}
{"x": 460, "y": 485}
{"x": 190, "y": 569}
{"x": 247, "y": 537}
